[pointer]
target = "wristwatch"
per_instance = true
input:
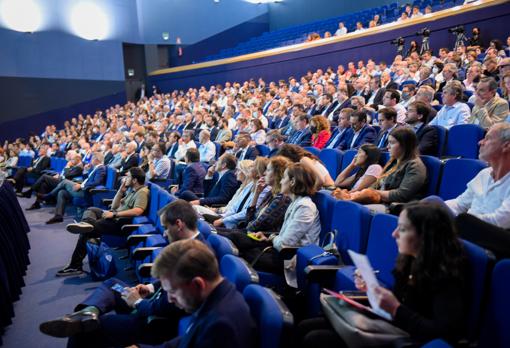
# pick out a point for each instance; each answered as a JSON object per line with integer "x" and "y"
{"x": 114, "y": 214}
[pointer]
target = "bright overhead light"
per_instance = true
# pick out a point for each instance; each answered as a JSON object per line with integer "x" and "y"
{"x": 89, "y": 21}
{"x": 21, "y": 15}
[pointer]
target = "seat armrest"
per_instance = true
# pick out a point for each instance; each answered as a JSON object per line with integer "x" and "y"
{"x": 287, "y": 253}
{"x": 129, "y": 228}
{"x": 137, "y": 238}
{"x": 107, "y": 201}
{"x": 322, "y": 274}
{"x": 100, "y": 190}
{"x": 144, "y": 270}
{"x": 142, "y": 252}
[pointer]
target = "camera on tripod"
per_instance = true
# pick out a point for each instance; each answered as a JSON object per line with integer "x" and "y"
{"x": 458, "y": 30}
{"x": 399, "y": 41}
{"x": 425, "y": 32}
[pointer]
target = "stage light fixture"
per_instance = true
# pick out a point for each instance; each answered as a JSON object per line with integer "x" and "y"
{"x": 89, "y": 21}
{"x": 21, "y": 15}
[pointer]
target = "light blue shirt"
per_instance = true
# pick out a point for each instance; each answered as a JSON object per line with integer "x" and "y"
{"x": 450, "y": 116}
{"x": 207, "y": 151}
{"x": 161, "y": 168}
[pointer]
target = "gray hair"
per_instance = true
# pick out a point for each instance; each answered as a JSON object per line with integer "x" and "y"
{"x": 504, "y": 131}
{"x": 454, "y": 87}
{"x": 493, "y": 85}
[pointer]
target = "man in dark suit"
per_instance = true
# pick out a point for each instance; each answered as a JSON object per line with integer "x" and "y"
{"x": 131, "y": 160}
{"x": 386, "y": 81}
{"x": 310, "y": 105}
{"x": 140, "y": 141}
{"x": 193, "y": 175}
{"x": 66, "y": 190}
{"x": 108, "y": 154}
{"x": 428, "y": 138}
{"x": 303, "y": 135}
{"x": 173, "y": 144}
{"x": 274, "y": 140}
{"x": 343, "y": 131}
{"x": 220, "y": 183}
{"x": 325, "y": 105}
{"x": 244, "y": 149}
{"x": 388, "y": 122}
{"x": 131, "y": 323}
{"x": 189, "y": 272}
{"x": 41, "y": 163}
{"x": 363, "y": 133}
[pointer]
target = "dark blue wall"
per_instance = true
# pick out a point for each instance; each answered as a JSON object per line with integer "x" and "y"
{"x": 493, "y": 22}
{"x": 228, "y": 38}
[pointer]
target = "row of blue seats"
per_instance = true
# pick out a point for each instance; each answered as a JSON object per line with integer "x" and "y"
{"x": 298, "y": 34}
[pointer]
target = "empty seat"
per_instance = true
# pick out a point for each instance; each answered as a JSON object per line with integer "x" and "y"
{"x": 457, "y": 172}
{"x": 332, "y": 159}
{"x": 463, "y": 141}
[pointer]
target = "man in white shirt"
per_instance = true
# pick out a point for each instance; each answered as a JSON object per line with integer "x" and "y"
{"x": 391, "y": 99}
{"x": 342, "y": 30}
{"x": 484, "y": 208}
{"x": 207, "y": 149}
{"x": 186, "y": 142}
{"x": 453, "y": 112}
{"x": 159, "y": 163}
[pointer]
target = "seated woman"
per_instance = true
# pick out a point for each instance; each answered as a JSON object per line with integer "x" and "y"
{"x": 265, "y": 211}
{"x": 257, "y": 132}
{"x": 301, "y": 226}
{"x": 319, "y": 125}
{"x": 10, "y": 161}
{"x": 429, "y": 299}
{"x": 403, "y": 178}
{"x": 297, "y": 154}
{"x": 361, "y": 173}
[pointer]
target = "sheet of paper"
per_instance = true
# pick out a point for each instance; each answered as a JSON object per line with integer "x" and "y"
{"x": 363, "y": 265}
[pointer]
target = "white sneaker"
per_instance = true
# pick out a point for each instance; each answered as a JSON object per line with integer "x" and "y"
{"x": 80, "y": 227}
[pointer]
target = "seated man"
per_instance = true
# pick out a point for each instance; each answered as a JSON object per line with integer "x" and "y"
{"x": 189, "y": 273}
{"x": 489, "y": 107}
{"x": 244, "y": 148}
{"x": 303, "y": 135}
{"x": 193, "y": 175}
{"x": 342, "y": 131}
{"x": 130, "y": 158}
{"x": 93, "y": 325}
{"x": 220, "y": 183}
{"x": 159, "y": 163}
{"x": 417, "y": 118}
{"x": 362, "y": 132}
{"x": 66, "y": 190}
{"x": 35, "y": 170}
{"x": 48, "y": 182}
{"x": 454, "y": 111}
{"x": 483, "y": 210}
{"x": 130, "y": 200}
{"x": 388, "y": 122}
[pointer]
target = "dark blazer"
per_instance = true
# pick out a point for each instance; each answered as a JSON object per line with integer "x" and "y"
{"x": 272, "y": 153}
{"x": 281, "y": 122}
{"x": 220, "y": 192}
{"x": 406, "y": 183}
{"x": 73, "y": 172}
{"x": 302, "y": 138}
{"x": 347, "y": 133}
{"x": 108, "y": 158}
{"x": 383, "y": 134}
{"x": 170, "y": 152}
{"x": 367, "y": 135}
{"x": 378, "y": 99}
{"x": 42, "y": 164}
{"x": 312, "y": 111}
{"x": 345, "y": 104}
{"x": 251, "y": 153}
{"x": 128, "y": 163}
{"x": 428, "y": 140}
{"x": 193, "y": 179}
{"x": 330, "y": 108}
{"x": 391, "y": 85}
{"x": 98, "y": 177}
{"x": 223, "y": 320}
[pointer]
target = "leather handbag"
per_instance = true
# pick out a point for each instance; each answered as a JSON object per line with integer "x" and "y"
{"x": 358, "y": 329}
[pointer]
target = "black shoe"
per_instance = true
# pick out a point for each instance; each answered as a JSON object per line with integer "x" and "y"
{"x": 27, "y": 194}
{"x": 69, "y": 271}
{"x": 34, "y": 206}
{"x": 55, "y": 220}
{"x": 71, "y": 324}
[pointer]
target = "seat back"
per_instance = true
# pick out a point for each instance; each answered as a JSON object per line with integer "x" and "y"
{"x": 154, "y": 203}
{"x": 382, "y": 250}
{"x": 273, "y": 318}
{"x": 463, "y": 140}
{"x": 332, "y": 159}
{"x": 325, "y": 204}
{"x": 434, "y": 167}
{"x": 238, "y": 271}
{"x": 457, "y": 172}
{"x": 480, "y": 263}
{"x": 24, "y": 161}
{"x": 218, "y": 150}
{"x": 315, "y": 151}
{"x": 221, "y": 245}
{"x": 165, "y": 198}
{"x": 111, "y": 178}
{"x": 352, "y": 223}
{"x": 442, "y": 137}
{"x": 495, "y": 331}
{"x": 204, "y": 228}
{"x": 347, "y": 158}
{"x": 263, "y": 150}
{"x": 54, "y": 163}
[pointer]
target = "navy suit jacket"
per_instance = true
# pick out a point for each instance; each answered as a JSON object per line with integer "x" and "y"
{"x": 223, "y": 320}
{"x": 428, "y": 140}
{"x": 131, "y": 162}
{"x": 347, "y": 134}
{"x": 251, "y": 153}
{"x": 302, "y": 138}
{"x": 272, "y": 153}
{"x": 98, "y": 177}
{"x": 193, "y": 179}
{"x": 220, "y": 192}
{"x": 367, "y": 135}
{"x": 172, "y": 150}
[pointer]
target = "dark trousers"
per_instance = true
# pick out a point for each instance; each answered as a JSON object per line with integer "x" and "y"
{"x": 260, "y": 254}
{"x": 318, "y": 332}
{"x": 45, "y": 184}
{"x": 101, "y": 226}
{"x": 20, "y": 177}
{"x": 484, "y": 234}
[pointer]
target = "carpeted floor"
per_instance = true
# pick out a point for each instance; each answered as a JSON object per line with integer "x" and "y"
{"x": 45, "y": 296}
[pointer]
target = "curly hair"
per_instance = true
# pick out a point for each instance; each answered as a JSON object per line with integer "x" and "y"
{"x": 321, "y": 122}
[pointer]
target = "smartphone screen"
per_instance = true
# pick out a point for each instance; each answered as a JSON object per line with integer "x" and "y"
{"x": 118, "y": 288}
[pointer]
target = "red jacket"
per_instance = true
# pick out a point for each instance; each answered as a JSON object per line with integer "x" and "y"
{"x": 320, "y": 140}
